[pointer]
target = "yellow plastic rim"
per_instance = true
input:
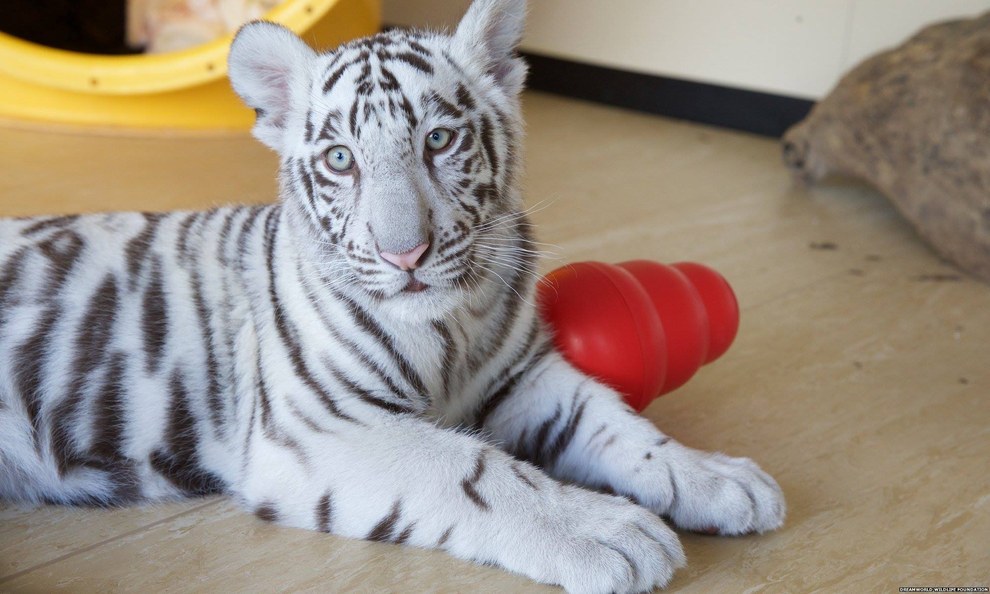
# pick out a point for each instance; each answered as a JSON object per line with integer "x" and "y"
{"x": 142, "y": 73}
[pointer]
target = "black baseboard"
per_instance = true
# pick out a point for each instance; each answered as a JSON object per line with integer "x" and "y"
{"x": 750, "y": 111}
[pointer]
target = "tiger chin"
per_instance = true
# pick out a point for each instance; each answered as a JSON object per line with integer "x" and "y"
{"x": 362, "y": 357}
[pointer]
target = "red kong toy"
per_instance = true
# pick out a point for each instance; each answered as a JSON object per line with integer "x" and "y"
{"x": 642, "y": 327}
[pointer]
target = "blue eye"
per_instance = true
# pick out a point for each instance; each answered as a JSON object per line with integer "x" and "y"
{"x": 439, "y": 139}
{"x": 339, "y": 158}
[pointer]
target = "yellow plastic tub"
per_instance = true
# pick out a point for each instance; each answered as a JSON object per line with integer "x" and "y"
{"x": 186, "y": 90}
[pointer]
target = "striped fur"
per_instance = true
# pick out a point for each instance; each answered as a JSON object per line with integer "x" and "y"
{"x": 273, "y": 354}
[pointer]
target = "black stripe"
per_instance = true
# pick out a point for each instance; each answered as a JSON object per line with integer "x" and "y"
{"x": 137, "y": 248}
{"x": 191, "y": 263}
{"x": 10, "y": 275}
{"x": 310, "y": 129}
{"x": 415, "y": 61}
{"x": 308, "y": 185}
{"x": 214, "y": 393}
{"x": 469, "y": 484}
{"x": 522, "y": 477}
{"x": 322, "y": 181}
{"x": 269, "y": 428}
{"x": 563, "y": 439}
{"x": 444, "y": 537}
{"x": 182, "y": 238}
{"x": 382, "y": 532}
{"x": 266, "y": 512}
{"x": 225, "y": 229}
{"x": 464, "y": 98}
{"x": 333, "y": 78}
{"x": 244, "y": 233}
{"x": 388, "y": 81}
{"x": 498, "y": 395}
{"x": 122, "y": 474}
{"x": 329, "y": 130}
{"x": 58, "y": 222}
{"x": 488, "y": 142}
{"x": 405, "y": 534}
{"x": 29, "y": 370}
{"x": 364, "y": 320}
{"x": 306, "y": 420}
{"x": 63, "y": 418}
{"x": 62, "y": 250}
{"x": 109, "y": 412}
{"x": 538, "y": 445}
{"x": 286, "y": 333}
{"x": 449, "y": 355}
{"x": 607, "y": 490}
{"x": 417, "y": 47}
{"x": 496, "y": 398}
{"x": 467, "y": 142}
{"x": 367, "y": 396}
{"x": 364, "y": 87}
{"x": 443, "y": 106}
{"x": 455, "y": 255}
{"x": 352, "y": 119}
{"x": 92, "y": 341}
{"x": 324, "y": 513}
{"x": 154, "y": 320}
{"x": 352, "y": 347}
{"x": 408, "y": 111}
{"x": 179, "y": 460}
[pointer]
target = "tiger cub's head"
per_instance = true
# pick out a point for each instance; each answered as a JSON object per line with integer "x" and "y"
{"x": 399, "y": 152}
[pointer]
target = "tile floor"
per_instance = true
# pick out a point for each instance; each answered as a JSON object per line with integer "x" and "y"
{"x": 860, "y": 377}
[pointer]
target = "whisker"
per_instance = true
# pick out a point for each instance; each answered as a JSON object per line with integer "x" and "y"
{"x": 511, "y": 288}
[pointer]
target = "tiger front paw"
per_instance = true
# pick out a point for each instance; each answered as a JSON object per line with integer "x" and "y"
{"x": 712, "y": 493}
{"x": 595, "y": 543}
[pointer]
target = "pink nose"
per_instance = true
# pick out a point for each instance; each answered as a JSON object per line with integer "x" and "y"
{"x": 406, "y": 260}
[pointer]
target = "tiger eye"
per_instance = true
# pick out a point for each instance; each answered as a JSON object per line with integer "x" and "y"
{"x": 439, "y": 139}
{"x": 339, "y": 158}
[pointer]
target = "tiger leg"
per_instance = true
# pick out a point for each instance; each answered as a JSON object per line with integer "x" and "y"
{"x": 579, "y": 430}
{"x": 404, "y": 480}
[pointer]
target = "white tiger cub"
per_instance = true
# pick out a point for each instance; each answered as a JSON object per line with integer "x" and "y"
{"x": 363, "y": 357}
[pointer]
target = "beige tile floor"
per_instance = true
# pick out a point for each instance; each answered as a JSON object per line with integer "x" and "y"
{"x": 860, "y": 377}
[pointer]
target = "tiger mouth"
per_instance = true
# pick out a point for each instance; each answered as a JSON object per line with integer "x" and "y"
{"x": 415, "y": 286}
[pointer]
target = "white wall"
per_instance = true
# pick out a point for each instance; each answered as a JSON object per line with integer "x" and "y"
{"x": 798, "y": 48}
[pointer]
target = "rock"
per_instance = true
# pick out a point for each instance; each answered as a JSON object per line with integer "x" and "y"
{"x": 915, "y": 123}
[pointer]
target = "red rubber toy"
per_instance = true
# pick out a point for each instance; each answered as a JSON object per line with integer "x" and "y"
{"x": 642, "y": 327}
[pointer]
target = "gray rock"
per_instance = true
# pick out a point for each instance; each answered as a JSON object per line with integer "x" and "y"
{"x": 915, "y": 123}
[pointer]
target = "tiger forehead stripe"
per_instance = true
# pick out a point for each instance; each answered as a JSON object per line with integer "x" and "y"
{"x": 410, "y": 58}
{"x": 386, "y": 47}
{"x": 330, "y": 125}
{"x": 443, "y": 106}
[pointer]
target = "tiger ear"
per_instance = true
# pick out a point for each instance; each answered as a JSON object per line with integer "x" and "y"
{"x": 489, "y": 34}
{"x": 270, "y": 69}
